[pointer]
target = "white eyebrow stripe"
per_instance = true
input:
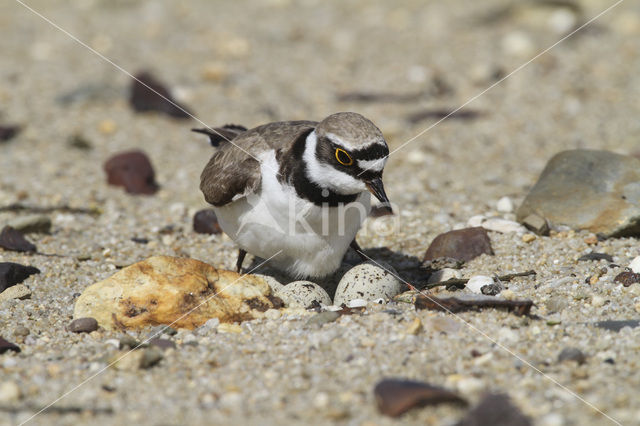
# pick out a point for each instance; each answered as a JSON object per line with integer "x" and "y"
{"x": 375, "y": 165}
{"x": 345, "y": 144}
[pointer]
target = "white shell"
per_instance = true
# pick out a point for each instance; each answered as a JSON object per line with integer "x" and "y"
{"x": 476, "y": 283}
{"x": 505, "y": 205}
{"x": 635, "y": 265}
{"x": 503, "y": 225}
{"x": 303, "y": 294}
{"x": 367, "y": 281}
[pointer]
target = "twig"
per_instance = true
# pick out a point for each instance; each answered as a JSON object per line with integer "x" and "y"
{"x": 70, "y": 409}
{"x": 17, "y": 207}
{"x": 461, "y": 282}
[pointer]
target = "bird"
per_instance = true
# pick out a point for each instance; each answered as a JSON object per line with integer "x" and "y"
{"x": 296, "y": 192}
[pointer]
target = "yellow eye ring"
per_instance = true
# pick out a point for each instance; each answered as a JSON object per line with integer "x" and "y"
{"x": 342, "y": 153}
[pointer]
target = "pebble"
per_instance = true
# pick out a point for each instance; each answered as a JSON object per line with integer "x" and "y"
{"x": 133, "y": 171}
{"x": 229, "y": 328}
{"x": 475, "y": 221}
{"x": 397, "y": 396}
{"x": 6, "y": 346}
{"x": 595, "y": 256}
{"x": 9, "y": 392}
{"x": 627, "y": 278}
{"x": 12, "y": 239}
{"x": 492, "y": 289}
{"x": 444, "y": 275}
{"x": 635, "y": 265}
{"x": 107, "y": 126}
{"x": 160, "y": 99}
{"x": 504, "y": 205}
{"x": 127, "y": 341}
{"x": 588, "y": 189}
{"x": 136, "y": 360}
{"x": 572, "y": 354}
{"x": 31, "y": 224}
{"x": 503, "y": 226}
{"x": 477, "y": 282}
{"x": 598, "y": 301}
{"x": 617, "y": 325}
{"x": 527, "y": 238}
{"x": 464, "y": 244}
{"x": 303, "y": 294}
{"x": 206, "y": 222}
{"x": 415, "y": 327}
{"x": 517, "y": 43}
{"x": 18, "y": 291}
{"x": 8, "y": 132}
{"x": 367, "y": 281}
{"x": 537, "y": 224}
{"x": 21, "y": 331}
{"x": 442, "y": 324}
{"x": 83, "y": 325}
{"x": 495, "y": 409}
{"x": 215, "y": 72}
{"x": 323, "y": 318}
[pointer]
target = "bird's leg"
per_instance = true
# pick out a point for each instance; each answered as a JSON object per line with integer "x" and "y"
{"x": 358, "y": 249}
{"x": 241, "y": 255}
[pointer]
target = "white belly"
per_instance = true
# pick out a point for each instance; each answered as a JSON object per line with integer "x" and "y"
{"x": 311, "y": 240}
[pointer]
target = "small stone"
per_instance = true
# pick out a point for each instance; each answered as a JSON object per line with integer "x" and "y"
{"x": 11, "y": 239}
{"x": 133, "y": 171}
{"x": 527, "y": 238}
{"x": 572, "y": 354}
{"x": 492, "y": 289}
{"x": 444, "y": 275}
{"x": 323, "y": 318}
{"x": 83, "y": 325}
{"x": 14, "y": 273}
{"x": 396, "y": 396}
{"x": 304, "y": 294}
{"x": 598, "y": 301}
{"x": 464, "y": 244}
{"x": 475, "y": 221}
{"x": 497, "y": 410}
{"x": 627, "y": 278}
{"x": 206, "y": 222}
{"x": 503, "y": 226}
{"x": 9, "y": 392}
{"x": 536, "y": 224}
{"x": 229, "y": 328}
{"x": 415, "y": 327}
{"x": 6, "y": 346}
{"x": 107, "y": 126}
{"x": 18, "y": 291}
{"x": 504, "y": 205}
{"x": 517, "y": 43}
{"x": 635, "y": 265}
{"x": 617, "y": 325}
{"x": 21, "y": 331}
{"x": 444, "y": 324}
{"x": 591, "y": 239}
{"x": 136, "y": 360}
{"x": 215, "y": 72}
{"x": 149, "y": 94}
{"x": 8, "y": 132}
{"x": 151, "y": 356}
{"x": 79, "y": 142}
{"x": 368, "y": 281}
{"x": 598, "y": 191}
{"x": 31, "y": 224}
{"x": 477, "y": 282}
{"x": 127, "y": 341}
{"x": 596, "y": 257}
{"x": 555, "y": 304}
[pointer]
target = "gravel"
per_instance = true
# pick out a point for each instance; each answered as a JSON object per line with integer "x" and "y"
{"x": 283, "y": 60}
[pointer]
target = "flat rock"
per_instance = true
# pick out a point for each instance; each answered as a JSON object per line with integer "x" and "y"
{"x": 463, "y": 244}
{"x": 83, "y": 325}
{"x": 617, "y": 325}
{"x": 14, "y": 273}
{"x": 36, "y": 223}
{"x": 598, "y": 191}
{"x": 12, "y": 239}
{"x": 303, "y": 294}
{"x": 397, "y": 396}
{"x": 367, "y": 281}
{"x": 133, "y": 171}
{"x": 495, "y": 410}
{"x": 149, "y": 94}
{"x": 180, "y": 292}
{"x": 18, "y": 291}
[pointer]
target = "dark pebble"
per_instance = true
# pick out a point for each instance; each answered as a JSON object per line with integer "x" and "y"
{"x": 627, "y": 278}
{"x": 491, "y": 289}
{"x": 572, "y": 354}
{"x": 463, "y": 244}
{"x": 617, "y": 325}
{"x": 206, "y": 222}
{"x": 14, "y": 273}
{"x": 8, "y": 132}
{"x": 149, "y": 94}
{"x": 78, "y": 141}
{"x": 140, "y": 240}
{"x": 6, "y": 346}
{"x": 536, "y": 224}
{"x": 162, "y": 343}
{"x": 83, "y": 325}
{"x": 150, "y": 357}
{"x": 129, "y": 342}
{"x": 12, "y": 239}
{"x": 495, "y": 410}
{"x": 396, "y": 396}
{"x": 133, "y": 171}
{"x": 596, "y": 256}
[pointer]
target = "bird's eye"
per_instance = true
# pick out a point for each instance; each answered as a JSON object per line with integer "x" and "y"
{"x": 343, "y": 157}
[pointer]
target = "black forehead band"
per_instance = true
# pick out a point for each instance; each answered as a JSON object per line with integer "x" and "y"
{"x": 371, "y": 152}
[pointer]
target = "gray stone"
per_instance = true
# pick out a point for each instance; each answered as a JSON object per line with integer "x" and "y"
{"x": 617, "y": 325}
{"x": 463, "y": 244}
{"x": 572, "y": 354}
{"x": 305, "y": 294}
{"x": 323, "y": 318}
{"x": 83, "y": 325}
{"x": 598, "y": 191}
{"x": 18, "y": 291}
{"x": 31, "y": 224}
{"x": 536, "y": 224}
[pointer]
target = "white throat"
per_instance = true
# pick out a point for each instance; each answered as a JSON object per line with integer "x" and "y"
{"x": 326, "y": 176}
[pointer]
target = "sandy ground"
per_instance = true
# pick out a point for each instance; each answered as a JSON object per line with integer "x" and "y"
{"x": 254, "y": 62}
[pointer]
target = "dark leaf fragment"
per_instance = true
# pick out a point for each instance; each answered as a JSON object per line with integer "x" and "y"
{"x": 12, "y": 239}
{"x": 149, "y": 94}
{"x": 438, "y": 114}
{"x": 396, "y": 396}
{"x": 627, "y": 278}
{"x": 454, "y": 304}
{"x": 6, "y": 346}
{"x": 8, "y": 132}
{"x": 206, "y": 222}
{"x": 617, "y": 325}
{"x": 595, "y": 256}
{"x": 14, "y": 273}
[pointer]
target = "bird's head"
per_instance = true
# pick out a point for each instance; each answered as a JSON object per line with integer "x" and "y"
{"x": 346, "y": 153}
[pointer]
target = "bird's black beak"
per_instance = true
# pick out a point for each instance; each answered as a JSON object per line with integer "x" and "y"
{"x": 376, "y": 187}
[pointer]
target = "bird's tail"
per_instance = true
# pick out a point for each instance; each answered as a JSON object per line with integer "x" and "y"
{"x": 221, "y": 134}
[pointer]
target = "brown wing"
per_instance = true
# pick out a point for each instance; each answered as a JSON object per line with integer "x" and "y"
{"x": 234, "y": 170}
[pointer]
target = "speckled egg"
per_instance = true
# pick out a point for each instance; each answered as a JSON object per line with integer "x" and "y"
{"x": 367, "y": 281}
{"x": 303, "y": 294}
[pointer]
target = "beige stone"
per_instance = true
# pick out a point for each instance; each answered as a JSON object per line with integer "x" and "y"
{"x": 180, "y": 292}
{"x": 18, "y": 291}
